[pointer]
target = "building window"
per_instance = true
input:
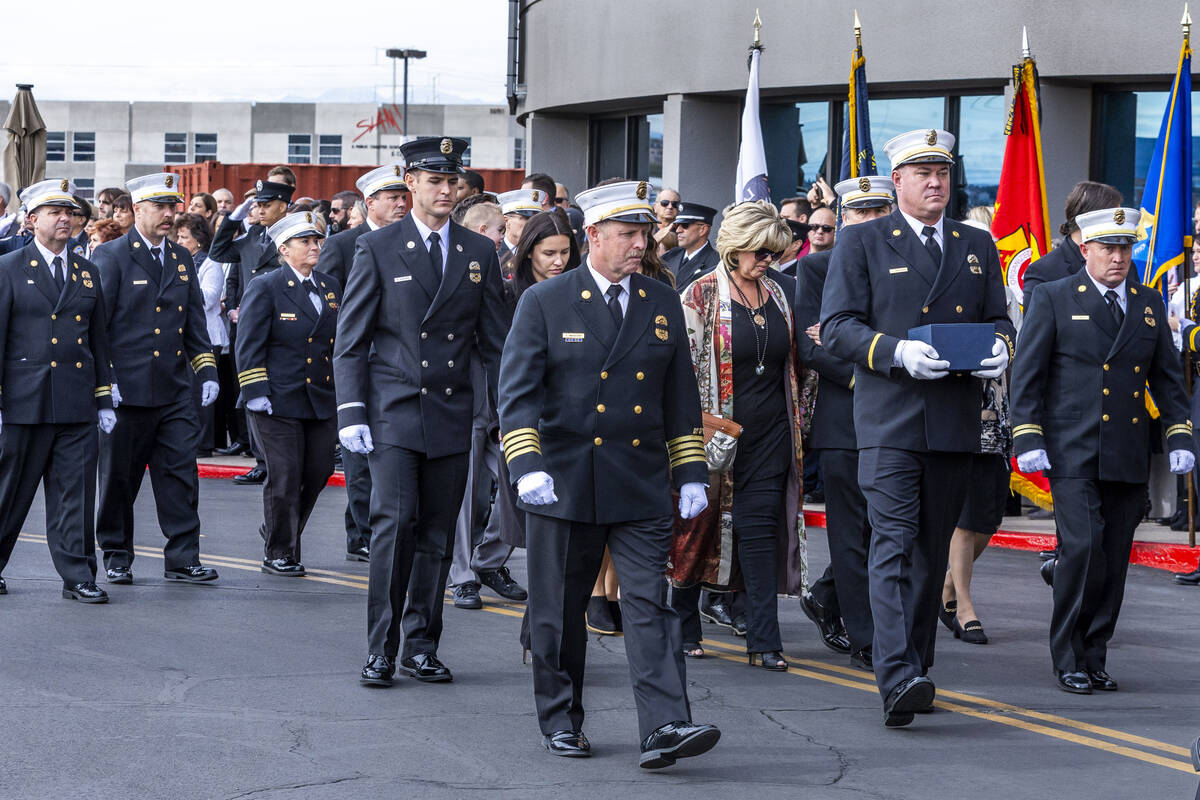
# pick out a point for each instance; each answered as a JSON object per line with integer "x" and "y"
{"x": 466, "y": 157}
{"x": 85, "y": 187}
{"x": 1127, "y": 132}
{"x": 204, "y": 147}
{"x": 518, "y": 154}
{"x": 56, "y": 145}
{"x": 330, "y": 149}
{"x": 299, "y": 148}
{"x": 981, "y": 146}
{"x": 174, "y": 148}
{"x": 654, "y": 150}
{"x": 83, "y": 146}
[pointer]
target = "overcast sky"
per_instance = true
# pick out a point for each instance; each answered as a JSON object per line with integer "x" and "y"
{"x": 261, "y": 51}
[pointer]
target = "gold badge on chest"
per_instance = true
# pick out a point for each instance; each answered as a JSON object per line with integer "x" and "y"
{"x": 475, "y": 274}
{"x": 1149, "y": 317}
{"x": 973, "y": 263}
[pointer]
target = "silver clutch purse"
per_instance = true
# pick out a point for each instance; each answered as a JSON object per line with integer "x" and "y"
{"x": 719, "y": 451}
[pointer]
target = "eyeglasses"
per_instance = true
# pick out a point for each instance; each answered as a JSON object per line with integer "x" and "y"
{"x": 683, "y": 226}
{"x": 822, "y": 228}
{"x": 669, "y": 203}
{"x": 766, "y": 254}
{"x": 560, "y": 200}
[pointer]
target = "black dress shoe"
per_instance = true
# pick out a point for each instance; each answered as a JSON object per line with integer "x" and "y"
{"x": 947, "y": 614}
{"x": 739, "y": 625}
{"x": 426, "y": 668}
{"x": 971, "y": 633}
{"x": 1074, "y": 682}
{"x": 196, "y": 573}
{"x": 863, "y": 660}
{"x": 833, "y": 634}
{"x": 598, "y": 616}
{"x": 466, "y": 595}
{"x": 614, "y": 611}
{"x": 1188, "y": 578}
{"x": 716, "y": 611}
{"x": 3, "y": 587}
{"x": 676, "y": 740}
{"x": 569, "y": 744}
{"x": 816, "y": 497}
{"x": 235, "y": 449}
{"x": 119, "y": 575}
{"x": 378, "y": 671}
{"x": 502, "y": 583}
{"x": 284, "y": 567}
{"x": 1047, "y": 570}
{"x": 772, "y": 660}
{"x": 1046, "y": 555}
{"x": 906, "y": 699}
{"x": 86, "y": 592}
{"x": 1101, "y": 681}
{"x": 254, "y": 476}
{"x": 361, "y": 554}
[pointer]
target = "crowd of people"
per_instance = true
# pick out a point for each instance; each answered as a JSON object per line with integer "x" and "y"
{"x": 597, "y": 379}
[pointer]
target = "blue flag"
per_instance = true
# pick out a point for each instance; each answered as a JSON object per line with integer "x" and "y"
{"x": 1165, "y": 230}
{"x": 858, "y": 157}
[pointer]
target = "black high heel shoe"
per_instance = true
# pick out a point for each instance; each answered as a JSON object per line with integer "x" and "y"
{"x": 971, "y": 633}
{"x": 772, "y": 660}
{"x": 947, "y": 614}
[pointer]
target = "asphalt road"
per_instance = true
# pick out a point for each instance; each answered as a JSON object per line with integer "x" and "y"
{"x": 248, "y": 689}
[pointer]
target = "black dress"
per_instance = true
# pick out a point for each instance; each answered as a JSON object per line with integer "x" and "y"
{"x": 760, "y": 468}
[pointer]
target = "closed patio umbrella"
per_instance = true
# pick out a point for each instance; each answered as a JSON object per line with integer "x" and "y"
{"x": 25, "y": 152}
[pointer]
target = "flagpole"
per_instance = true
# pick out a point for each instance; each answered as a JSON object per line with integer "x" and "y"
{"x": 1186, "y": 25}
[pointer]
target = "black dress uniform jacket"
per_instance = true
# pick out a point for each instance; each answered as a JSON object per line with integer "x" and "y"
{"x": 1079, "y": 383}
{"x": 700, "y": 264}
{"x": 1061, "y": 262}
{"x": 833, "y": 414}
{"x": 253, "y": 254}
{"x": 608, "y": 415}
{"x": 881, "y": 283}
{"x": 157, "y": 332}
{"x": 54, "y": 360}
{"x": 404, "y": 338}
{"x": 337, "y": 255}
{"x": 285, "y": 351}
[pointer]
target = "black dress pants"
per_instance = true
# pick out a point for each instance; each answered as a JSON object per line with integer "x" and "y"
{"x": 414, "y": 505}
{"x": 63, "y": 459}
{"x": 913, "y": 500}
{"x": 1096, "y": 523}
{"x": 299, "y": 454}
{"x": 358, "y": 500}
{"x": 564, "y": 558}
{"x": 757, "y": 508}
{"x": 849, "y": 535}
{"x": 163, "y": 437}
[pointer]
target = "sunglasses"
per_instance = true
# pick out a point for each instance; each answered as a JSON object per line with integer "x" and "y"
{"x": 766, "y": 254}
{"x": 669, "y": 203}
{"x": 560, "y": 200}
{"x": 822, "y": 228}
{"x": 683, "y": 226}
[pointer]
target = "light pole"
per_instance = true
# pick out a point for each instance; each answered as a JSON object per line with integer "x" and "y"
{"x": 394, "y": 54}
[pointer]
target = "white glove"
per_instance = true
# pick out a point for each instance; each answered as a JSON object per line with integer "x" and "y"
{"x": 108, "y": 420}
{"x": 208, "y": 392}
{"x": 1035, "y": 461}
{"x": 921, "y": 361}
{"x": 693, "y": 498}
{"x": 993, "y": 367}
{"x": 259, "y": 404}
{"x": 116, "y": 396}
{"x": 1182, "y": 461}
{"x": 241, "y": 211}
{"x": 356, "y": 439}
{"x": 537, "y": 489}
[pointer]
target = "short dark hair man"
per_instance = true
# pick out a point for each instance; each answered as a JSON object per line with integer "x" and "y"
{"x": 1067, "y": 258}
{"x": 339, "y": 211}
{"x": 543, "y": 183}
{"x": 470, "y": 183}
{"x": 694, "y": 256}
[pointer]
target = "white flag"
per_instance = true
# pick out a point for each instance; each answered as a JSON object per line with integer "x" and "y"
{"x": 751, "y": 183}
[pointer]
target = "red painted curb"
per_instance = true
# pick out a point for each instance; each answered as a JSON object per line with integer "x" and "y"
{"x": 1159, "y": 555}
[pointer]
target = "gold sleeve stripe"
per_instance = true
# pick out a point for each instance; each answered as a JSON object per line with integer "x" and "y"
{"x": 252, "y": 376}
{"x": 521, "y": 436}
{"x": 103, "y": 391}
{"x": 520, "y": 432}
{"x": 1021, "y": 430}
{"x": 1175, "y": 429}
{"x": 509, "y": 455}
{"x": 254, "y": 371}
{"x": 679, "y": 462}
{"x": 686, "y": 439}
{"x": 851, "y": 386}
{"x": 1008, "y": 342}
{"x": 1192, "y": 338}
{"x": 871, "y": 350}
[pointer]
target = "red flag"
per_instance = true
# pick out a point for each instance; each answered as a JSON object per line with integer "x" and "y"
{"x": 1021, "y": 223}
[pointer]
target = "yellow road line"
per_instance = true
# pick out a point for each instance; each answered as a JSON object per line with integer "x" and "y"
{"x": 856, "y": 679}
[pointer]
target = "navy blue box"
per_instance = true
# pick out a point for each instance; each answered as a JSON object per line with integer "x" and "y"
{"x": 965, "y": 344}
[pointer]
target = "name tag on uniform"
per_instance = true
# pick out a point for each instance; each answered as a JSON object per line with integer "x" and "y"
{"x": 572, "y": 337}
{"x": 140, "y": 283}
{"x": 401, "y": 278}
{"x": 1080, "y": 316}
{"x": 29, "y": 281}
{"x": 288, "y": 317}
{"x": 898, "y": 270}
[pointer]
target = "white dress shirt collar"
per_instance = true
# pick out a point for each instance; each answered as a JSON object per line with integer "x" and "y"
{"x": 1103, "y": 290}
{"x": 443, "y": 233}
{"x": 162, "y": 246}
{"x": 918, "y": 228}
{"x": 603, "y": 284}
{"x": 315, "y": 299}
{"x": 50, "y": 256}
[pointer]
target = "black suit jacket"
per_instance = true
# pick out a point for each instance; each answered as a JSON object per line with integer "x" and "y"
{"x": 53, "y": 345}
{"x": 337, "y": 254}
{"x": 613, "y": 417}
{"x": 833, "y": 415}
{"x": 157, "y": 332}
{"x": 15, "y": 242}
{"x": 252, "y": 255}
{"x": 404, "y": 338}
{"x": 881, "y": 283}
{"x": 700, "y": 264}
{"x": 1079, "y": 382}
{"x": 1059, "y": 263}
{"x": 285, "y": 351}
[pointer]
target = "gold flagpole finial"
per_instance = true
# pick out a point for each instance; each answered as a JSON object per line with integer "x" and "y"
{"x": 1186, "y": 23}
{"x": 857, "y": 31}
{"x": 1025, "y": 52}
{"x": 757, "y": 28}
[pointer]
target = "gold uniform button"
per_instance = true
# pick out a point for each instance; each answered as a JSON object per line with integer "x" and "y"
{"x": 157, "y": 331}
{"x": 597, "y": 441}
{"x": 603, "y": 376}
{"x": 54, "y": 316}
{"x": 1135, "y": 420}
{"x": 636, "y": 442}
{"x": 79, "y": 341}
{"x": 600, "y": 408}
{"x": 158, "y": 309}
{"x": 958, "y": 309}
{"x": 1105, "y": 418}
{"x": 79, "y": 365}
{"x": 156, "y": 354}
{"x": 925, "y": 310}
{"x": 1137, "y": 395}
{"x": 308, "y": 380}
{"x": 641, "y": 376}
{"x": 1137, "y": 369}
{"x": 310, "y": 341}
{"x": 637, "y": 409}
{"x": 181, "y": 330}
{"x": 54, "y": 363}
{"x": 178, "y": 352}
{"x": 54, "y": 341}
{"x": 1106, "y": 392}
{"x": 180, "y": 308}
{"x": 585, "y": 294}
{"x": 1106, "y": 367}
{"x": 308, "y": 360}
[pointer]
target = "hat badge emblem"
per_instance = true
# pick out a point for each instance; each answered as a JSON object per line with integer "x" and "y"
{"x": 447, "y": 147}
{"x": 864, "y": 184}
{"x": 534, "y": 196}
{"x": 396, "y": 169}
{"x": 308, "y": 217}
{"x": 170, "y": 181}
{"x": 64, "y": 184}
{"x": 931, "y": 138}
{"x": 642, "y": 190}
{"x": 1119, "y": 216}
{"x": 258, "y": 186}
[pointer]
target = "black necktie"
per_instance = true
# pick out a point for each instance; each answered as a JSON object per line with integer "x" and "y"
{"x": 309, "y": 286}
{"x": 931, "y": 244}
{"x": 60, "y": 280}
{"x": 157, "y": 254}
{"x": 435, "y": 253}
{"x": 1114, "y": 306}
{"x": 614, "y": 305}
